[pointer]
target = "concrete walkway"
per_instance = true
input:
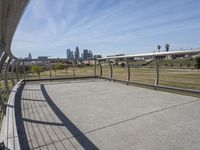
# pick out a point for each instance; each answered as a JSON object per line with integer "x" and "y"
{"x": 97, "y": 114}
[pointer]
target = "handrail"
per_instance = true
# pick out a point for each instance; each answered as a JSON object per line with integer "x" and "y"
{"x": 156, "y": 54}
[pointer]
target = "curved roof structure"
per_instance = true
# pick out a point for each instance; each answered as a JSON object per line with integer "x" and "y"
{"x": 10, "y": 14}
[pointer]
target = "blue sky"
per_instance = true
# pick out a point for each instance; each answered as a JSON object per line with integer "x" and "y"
{"x": 49, "y": 27}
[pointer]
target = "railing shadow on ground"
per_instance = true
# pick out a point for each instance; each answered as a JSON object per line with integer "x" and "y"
{"x": 23, "y": 140}
{"x": 81, "y": 138}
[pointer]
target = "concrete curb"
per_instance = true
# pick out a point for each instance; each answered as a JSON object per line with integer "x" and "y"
{"x": 9, "y": 133}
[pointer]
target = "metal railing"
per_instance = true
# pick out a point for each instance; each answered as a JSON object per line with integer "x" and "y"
{"x": 156, "y": 69}
{"x": 52, "y": 69}
{"x": 150, "y": 73}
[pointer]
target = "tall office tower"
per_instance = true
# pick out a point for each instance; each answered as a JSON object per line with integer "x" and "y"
{"x": 71, "y": 55}
{"x": 77, "y": 54}
{"x": 68, "y": 53}
{"x": 90, "y": 55}
{"x": 29, "y": 56}
{"x": 85, "y": 54}
{"x": 81, "y": 55}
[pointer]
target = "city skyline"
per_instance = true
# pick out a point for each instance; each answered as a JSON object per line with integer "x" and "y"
{"x": 107, "y": 27}
{"x": 77, "y": 55}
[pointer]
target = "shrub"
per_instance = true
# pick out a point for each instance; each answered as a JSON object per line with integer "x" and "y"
{"x": 36, "y": 69}
{"x": 197, "y": 65}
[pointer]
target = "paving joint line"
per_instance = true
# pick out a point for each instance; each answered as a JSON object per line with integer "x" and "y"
{"x": 136, "y": 117}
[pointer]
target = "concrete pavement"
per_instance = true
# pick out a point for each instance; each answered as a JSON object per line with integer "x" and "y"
{"x": 98, "y": 114}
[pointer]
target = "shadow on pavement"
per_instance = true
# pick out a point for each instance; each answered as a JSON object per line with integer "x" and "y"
{"x": 75, "y": 131}
{"x": 23, "y": 141}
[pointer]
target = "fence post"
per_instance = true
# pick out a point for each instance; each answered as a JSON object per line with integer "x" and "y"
{"x": 95, "y": 68}
{"x": 23, "y": 69}
{"x": 17, "y": 70}
{"x": 50, "y": 75}
{"x": 128, "y": 69}
{"x": 7, "y": 65}
{"x": 157, "y": 71}
{"x": 12, "y": 72}
{"x": 73, "y": 69}
{"x": 100, "y": 67}
{"x": 111, "y": 70}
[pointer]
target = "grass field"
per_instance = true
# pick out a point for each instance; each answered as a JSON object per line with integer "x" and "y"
{"x": 79, "y": 71}
{"x": 183, "y": 78}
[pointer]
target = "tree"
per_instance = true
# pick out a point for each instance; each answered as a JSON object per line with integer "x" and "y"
{"x": 60, "y": 66}
{"x": 171, "y": 64}
{"x": 36, "y": 69}
{"x": 122, "y": 65}
{"x": 197, "y": 63}
{"x": 54, "y": 67}
{"x": 159, "y": 47}
{"x": 167, "y": 47}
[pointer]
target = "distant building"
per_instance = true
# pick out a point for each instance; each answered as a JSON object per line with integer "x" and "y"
{"x": 68, "y": 53}
{"x": 71, "y": 55}
{"x": 29, "y": 56}
{"x": 97, "y": 56}
{"x": 42, "y": 57}
{"x": 85, "y": 54}
{"x": 90, "y": 55}
{"x": 82, "y": 55}
{"x": 89, "y": 62}
{"x": 77, "y": 54}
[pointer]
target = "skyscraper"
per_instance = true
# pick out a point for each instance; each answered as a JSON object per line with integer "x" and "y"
{"x": 29, "y": 56}
{"x": 85, "y": 54}
{"x": 77, "y": 54}
{"x": 71, "y": 55}
{"x": 68, "y": 53}
{"x": 90, "y": 55}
